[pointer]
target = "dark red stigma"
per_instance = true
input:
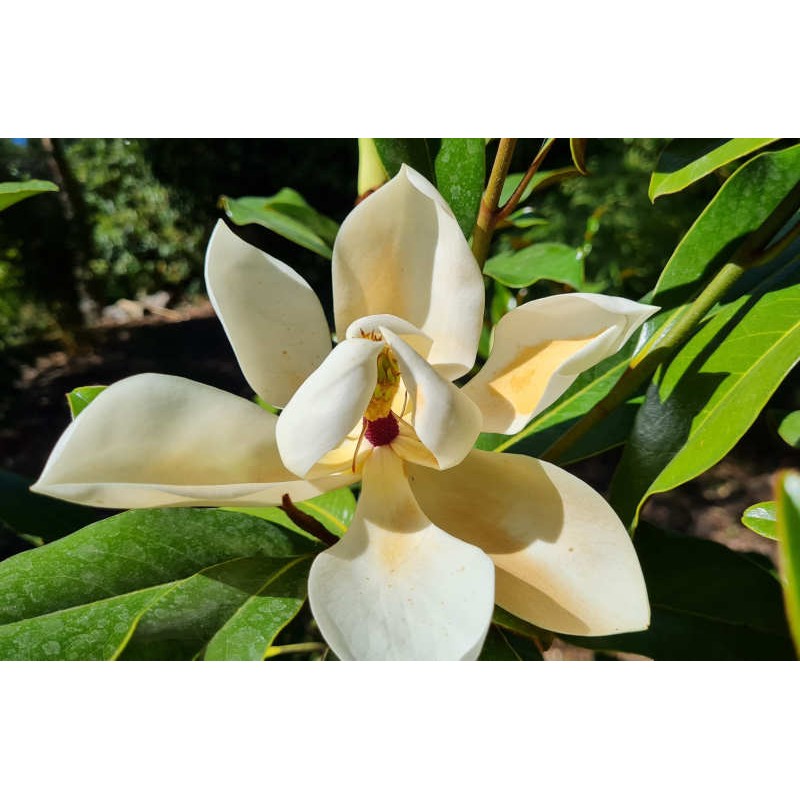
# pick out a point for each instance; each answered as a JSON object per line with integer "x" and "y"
{"x": 382, "y": 431}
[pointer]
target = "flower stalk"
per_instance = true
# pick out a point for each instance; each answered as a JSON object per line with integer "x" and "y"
{"x": 513, "y": 201}
{"x": 487, "y": 215}
{"x": 306, "y": 522}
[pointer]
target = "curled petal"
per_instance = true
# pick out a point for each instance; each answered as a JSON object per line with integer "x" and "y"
{"x": 564, "y": 560}
{"x": 159, "y": 440}
{"x": 396, "y": 586}
{"x": 405, "y": 330}
{"x": 540, "y": 348}
{"x": 328, "y": 405}
{"x": 401, "y": 252}
{"x": 446, "y": 421}
{"x": 272, "y": 317}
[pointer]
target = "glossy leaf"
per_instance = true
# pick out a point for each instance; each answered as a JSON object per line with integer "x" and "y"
{"x": 97, "y": 631}
{"x": 37, "y": 516}
{"x": 14, "y": 191}
{"x": 79, "y": 398}
{"x": 788, "y": 527}
{"x": 524, "y": 218}
{"x": 288, "y": 215}
{"x": 414, "y": 152}
{"x": 229, "y": 612}
{"x": 333, "y": 509}
{"x": 577, "y": 148}
{"x": 709, "y": 394}
{"x": 248, "y": 634}
{"x": 761, "y": 519}
{"x": 789, "y": 429}
{"x": 551, "y": 261}
{"x": 460, "y": 167}
{"x": 741, "y": 206}
{"x": 684, "y": 161}
{"x": 99, "y": 571}
{"x": 707, "y": 602}
{"x": 541, "y": 180}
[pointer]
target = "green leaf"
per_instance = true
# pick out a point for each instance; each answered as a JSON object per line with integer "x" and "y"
{"x": 789, "y": 429}
{"x": 685, "y": 161}
{"x": 98, "y": 631}
{"x": 709, "y": 394}
{"x": 248, "y": 634}
{"x": 524, "y": 218}
{"x": 288, "y": 215}
{"x": 577, "y": 148}
{"x": 333, "y": 509}
{"x": 460, "y": 167}
{"x": 193, "y": 568}
{"x": 707, "y": 602}
{"x": 229, "y": 612}
{"x": 14, "y": 191}
{"x": 742, "y": 205}
{"x": 79, "y": 398}
{"x": 761, "y": 519}
{"x": 788, "y": 527}
{"x": 551, "y": 261}
{"x": 541, "y": 180}
{"x": 414, "y": 152}
{"x": 37, "y": 516}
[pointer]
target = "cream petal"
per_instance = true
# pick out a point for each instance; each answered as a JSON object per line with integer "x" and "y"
{"x": 446, "y": 421}
{"x": 328, "y": 405}
{"x": 408, "y": 446}
{"x": 396, "y": 587}
{"x": 160, "y": 440}
{"x": 541, "y": 347}
{"x": 564, "y": 560}
{"x": 401, "y": 252}
{"x": 273, "y": 319}
{"x": 405, "y": 330}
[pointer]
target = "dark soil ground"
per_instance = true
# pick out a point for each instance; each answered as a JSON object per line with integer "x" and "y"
{"x": 191, "y": 343}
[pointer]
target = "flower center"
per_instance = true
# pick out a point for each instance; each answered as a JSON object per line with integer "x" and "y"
{"x": 383, "y": 430}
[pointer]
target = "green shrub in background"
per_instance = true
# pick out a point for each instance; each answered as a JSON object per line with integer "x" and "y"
{"x": 142, "y": 239}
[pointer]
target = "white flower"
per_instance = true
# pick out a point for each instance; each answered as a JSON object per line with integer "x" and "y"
{"x": 441, "y": 531}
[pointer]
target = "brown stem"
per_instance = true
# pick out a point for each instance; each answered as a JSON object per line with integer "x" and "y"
{"x": 513, "y": 201}
{"x": 487, "y": 215}
{"x": 307, "y": 522}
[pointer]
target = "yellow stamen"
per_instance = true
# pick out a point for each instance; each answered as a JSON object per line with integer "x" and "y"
{"x": 386, "y": 388}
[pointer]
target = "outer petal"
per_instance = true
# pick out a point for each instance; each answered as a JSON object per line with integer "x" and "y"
{"x": 329, "y": 404}
{"x": 396, "y": 586}
{"x": 446, "y": 421}
{"x": 564, "y": 560}
{"x": 159, "y": 440}
{"x": 272, "y": 317}
{"x": 541, "y": 347}
{"x": 401, "y": 252}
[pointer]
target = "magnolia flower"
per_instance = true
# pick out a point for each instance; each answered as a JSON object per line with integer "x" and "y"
{"x": 441, "y": 531}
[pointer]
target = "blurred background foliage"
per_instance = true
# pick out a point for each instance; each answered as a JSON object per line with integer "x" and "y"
{"x": 133, "y": 217}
